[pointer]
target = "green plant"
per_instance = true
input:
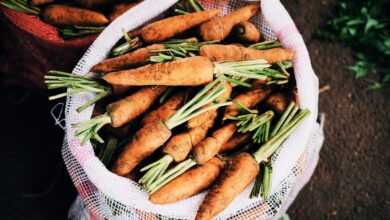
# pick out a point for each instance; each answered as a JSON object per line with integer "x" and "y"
{"x": 363, "y": 26}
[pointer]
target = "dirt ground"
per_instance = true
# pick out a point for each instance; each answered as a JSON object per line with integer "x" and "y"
{"x": 352, "y": 177}
{"x": 351, "y": 181}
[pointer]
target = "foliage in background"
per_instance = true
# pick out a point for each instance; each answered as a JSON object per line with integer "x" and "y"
{"x": 364, "y": 26}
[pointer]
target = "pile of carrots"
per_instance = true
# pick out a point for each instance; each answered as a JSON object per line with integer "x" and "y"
{"x": 200, "y": 103}
{"x": 73, "y": 18}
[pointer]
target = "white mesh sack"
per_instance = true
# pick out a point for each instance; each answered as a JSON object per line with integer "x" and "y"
{"x": 110, "y": 196}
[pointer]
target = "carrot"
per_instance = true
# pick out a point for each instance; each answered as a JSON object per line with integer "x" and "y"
{"x": 190, "y": 183}
{"x": 125, "y": 110}
{"x": 247, "y": 32}
{"x": 139, "y": 148}
{"x": 180, "y": 145}
{"x": 277, "y": 101}
{"x": 235, "y": 141}
{"x": 121, "y": 8}
{"x": 247, "y": 99}
{"x": 144, "y": 142}
{"x": 210, "y": 146}
{"x": 134, "y": 58}
{"x": 171, "y": 73}
{"x": 62, "y": 15}
{"x": 166, "y": 28}
{"x": 219, "y": 28}
{"x": 242, "y": 170}
{"x": 120, "y": 112}
{"x": 40, "y": 2}
{"x": 219, "y": 52}
{"x": 166, "y": 110}
{"x": 201, "y": 70}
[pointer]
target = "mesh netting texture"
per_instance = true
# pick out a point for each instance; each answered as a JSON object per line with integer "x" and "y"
{"x": 113, "y": 197}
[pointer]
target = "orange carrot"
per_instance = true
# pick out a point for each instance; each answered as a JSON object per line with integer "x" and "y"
{"x": 166, "y": 28}
{"x": 132, "y": 59}
{"x": 165, "y": 110}
{"x": 219, "y": 52}
{"x": 242, "y": 170}
{"x": 121, "y": 8}
{"x": 145, "y": 142}
{"x": 170, "y": 73}
{"x": 210, "y": 146}
{"x": 190, "y": 183}
{"x": 235, "y": 141}
{"x": 248, "y": 99}
{"x": 247, "y": 32}
{"x": 125, "y": 110}
{"x": 219, "y": 28}
{"x": 62, "y": 15}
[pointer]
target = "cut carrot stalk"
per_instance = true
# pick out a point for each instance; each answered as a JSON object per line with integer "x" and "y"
{"x": 247, "y": 32}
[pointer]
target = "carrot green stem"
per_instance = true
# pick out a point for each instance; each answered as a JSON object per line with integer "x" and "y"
{"x": 283, "y": 118}
{"x": 109, "y": 151}
{"x": 266, "y": 45}
{"x": 267, "y": 149}
{"x": 193, "y": 108}
{"x": 129, "y": 45}
{"x": 76, "y": 84}
{"x": 267, "y": 181}
{"x": 196, "y": 5}
{"x": 171, "y": 174}
{"x": 249, "y": 69}
{"x": 21, "y": 6}
{"x": 257, "y": 185}
{"x": 89, "y": 129}
{"x": 78, "y": 31}
{"x": 155, "y": 170}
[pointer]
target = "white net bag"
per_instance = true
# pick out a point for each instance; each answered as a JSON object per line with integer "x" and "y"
{"x": 110, "y": 196}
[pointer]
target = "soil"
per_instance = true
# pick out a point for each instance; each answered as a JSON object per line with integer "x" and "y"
{"x": 351, "y": 180}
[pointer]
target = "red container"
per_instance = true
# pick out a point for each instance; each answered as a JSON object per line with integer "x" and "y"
{"x": 32, "y": 47}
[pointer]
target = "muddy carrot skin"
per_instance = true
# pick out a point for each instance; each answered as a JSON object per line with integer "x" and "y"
{"x": 219, "y": 52}
{"x": 131, "y": 59}
{"x": 277, "y": 101}
{"x": 234, "y": 142}
{"x": 219, "y": 28}
{"x": 121, "y": 8}
{"x": 170, "y": 73}
{"x": 61, "y": 15}
{"x": 247, "y": 32}
{"x": 125, "y": 110}
{"x": 248, "y": 99}
{"x": 165, "y": 110}
{"x": 143, "y": 144}
{"x": 41, "y": 2}
{"x": 189, "y": 183}
{"x": 166, "y": 28}
{"x": 210, "y": 146}
{"x": 242, "y": 170}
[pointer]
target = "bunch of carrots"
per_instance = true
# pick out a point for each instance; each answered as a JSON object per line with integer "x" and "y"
{"x": 207, "y": 102}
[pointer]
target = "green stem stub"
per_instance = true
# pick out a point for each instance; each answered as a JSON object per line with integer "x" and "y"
{"x": 79, "y": 31}
{"x": 75, "y": 84}
{"x": 266, "y": 45}
{"x": 129, "y": 45}
{"x": 241, "y": 71}
{"x": 21, "y": 6}
{"x": 88, "y": 130}
{"x": 155, "y": 170}
{"x": 267, "y": 149}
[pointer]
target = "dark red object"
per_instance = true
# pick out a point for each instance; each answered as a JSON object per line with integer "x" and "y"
{"x": 34, "y": 47}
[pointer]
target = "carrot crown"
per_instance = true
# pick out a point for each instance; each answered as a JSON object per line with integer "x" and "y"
{"x": 266, "y": 45}
{"x": 20, "y": 5}
{"x": 78, "y": 31}
{"x": 75, "y": 84}
{"x": 193, "y": 107}
{"x": 289, "y": 121}
{"x": 238, "y": 72}
{"x": 129, "y": 45}
{"x": 89, "y": 130}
